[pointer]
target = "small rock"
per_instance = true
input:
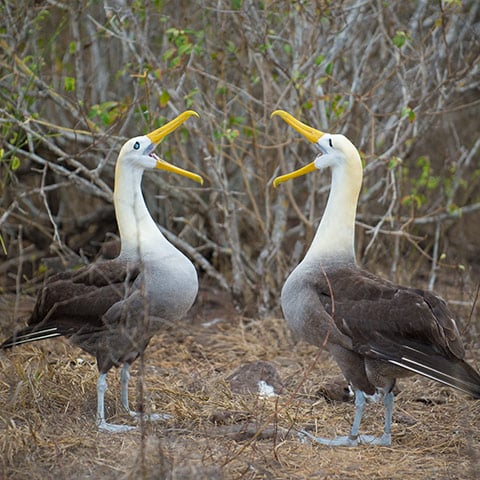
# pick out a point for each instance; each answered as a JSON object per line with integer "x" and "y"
{"x": 246, "y": 379}
{"x": 336, "y": 390}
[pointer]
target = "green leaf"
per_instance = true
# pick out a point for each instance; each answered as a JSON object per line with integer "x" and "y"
{"x": 400, "y": 38}
{"x": 457, "y": 3}
{"x": 164, "y": 98}
{"x": 221, "y": 90}
{"x": 408, "y": 112}
{"x": 189, "y": 98}
{"x": 393, "y": 162}
{"x": 15, "y": 163}
{"x": 329, "y": 68}
{"x": 2, "y": 244}
{"x": 173, "y": 32}
{"x": 307, "y": 105}
{"x": 175, "y": 62}
{"x": 69, "y": 84}
{"x": 168, "y": 54}
{"x": 231, "y": 134}
{"x": 231, "y": 48}
{"x": 107, "y": 112}
{"x": 412, "y": 200}
{"x": 453, "y": 209}
{"x": 185, "y": 49}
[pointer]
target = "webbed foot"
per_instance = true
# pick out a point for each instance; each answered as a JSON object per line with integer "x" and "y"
{"x": 103, "y": 426}
{"x": 348, "y": 440}
{"x": 344, "y": 441}
{"x": 385, "y": 440}
{"x": 150, "y": 417}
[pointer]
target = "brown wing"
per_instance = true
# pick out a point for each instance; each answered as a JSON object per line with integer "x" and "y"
{"x": 374, "y": 312}
{"x": 404, "y": 327}
{"x": 73, "y": 301}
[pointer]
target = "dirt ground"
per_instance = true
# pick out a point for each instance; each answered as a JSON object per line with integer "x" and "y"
{"x": 48, "y": 401}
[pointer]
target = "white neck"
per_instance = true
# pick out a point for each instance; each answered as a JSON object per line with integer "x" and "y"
{"x": 139, "y": 234}
{"x": 334, "y": 241}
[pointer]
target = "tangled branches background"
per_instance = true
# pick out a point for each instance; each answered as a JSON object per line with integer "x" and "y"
{"x": 400, "y": 79}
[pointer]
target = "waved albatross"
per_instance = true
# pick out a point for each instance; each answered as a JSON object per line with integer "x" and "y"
{"x": 375, "y": 330}
{"x": 111, "y": 309}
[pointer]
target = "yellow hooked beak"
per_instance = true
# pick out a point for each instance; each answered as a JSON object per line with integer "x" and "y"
{"x": 310, "y": 133}
{"x": 296, "y": 173}
{"x": 160, "y": 133}
{"x": 163, "y": 165}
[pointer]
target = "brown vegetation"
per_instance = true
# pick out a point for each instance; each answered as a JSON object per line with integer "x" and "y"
{"x": 48, "y": 403}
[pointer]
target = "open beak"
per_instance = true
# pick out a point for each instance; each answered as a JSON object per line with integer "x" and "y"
{"x": 310, "y": 133}
{"x": 160, "y": 133}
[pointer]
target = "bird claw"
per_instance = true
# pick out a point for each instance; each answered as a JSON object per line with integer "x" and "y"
{"x": 329, "y": 442}
{"x": 150, "y": 417}
{"x": 303, "y": 436}
{"x": 103, "y": 426}
{"x": 385, "y": 440}
{"x": 346, "y": 441}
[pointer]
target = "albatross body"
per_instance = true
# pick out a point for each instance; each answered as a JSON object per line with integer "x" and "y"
{"x": 112, "y": 309}
{"x": 375, "y": 330}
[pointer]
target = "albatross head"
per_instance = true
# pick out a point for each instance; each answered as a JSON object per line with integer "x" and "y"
{"x": 335, "y": 150}
{"x": 139, "y": 152}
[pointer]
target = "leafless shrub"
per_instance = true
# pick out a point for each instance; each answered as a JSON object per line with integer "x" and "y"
{"x": 399, "y": 78}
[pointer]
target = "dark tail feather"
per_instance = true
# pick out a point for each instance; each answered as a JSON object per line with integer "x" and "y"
{"x": 30, "y": 334}
{"x": 453, "y": 372}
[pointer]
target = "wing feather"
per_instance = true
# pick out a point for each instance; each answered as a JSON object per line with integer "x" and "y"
{"x": 75, "y": 301}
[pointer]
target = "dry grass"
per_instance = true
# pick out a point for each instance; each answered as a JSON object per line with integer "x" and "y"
{"x": 48, "y": 398}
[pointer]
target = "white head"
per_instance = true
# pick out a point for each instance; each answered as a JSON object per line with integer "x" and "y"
{"x": 335, "y": 150}
{"x": 138, "y": 152}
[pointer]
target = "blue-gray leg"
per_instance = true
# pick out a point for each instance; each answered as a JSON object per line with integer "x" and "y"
{"x": 386, "y": 439}
{"x": 360, "y": 402}
{"x": 354, "y": 439}
{"x": 101, "y": 422}
{"x": 124, "y": 379}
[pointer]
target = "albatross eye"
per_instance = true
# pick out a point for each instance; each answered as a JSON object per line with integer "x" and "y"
{"x": 136, "y": 146}
{"x": 330, "y": 142}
